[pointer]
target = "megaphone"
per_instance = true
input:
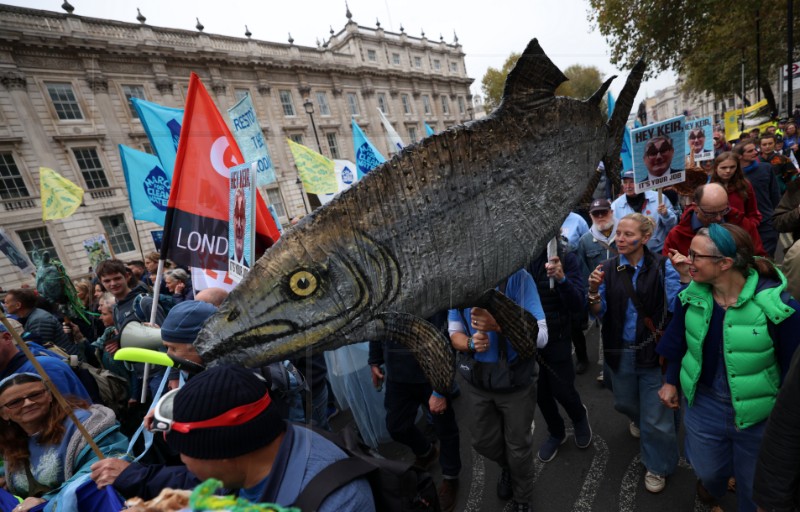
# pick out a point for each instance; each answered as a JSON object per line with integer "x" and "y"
{"x": 134, "y": 334}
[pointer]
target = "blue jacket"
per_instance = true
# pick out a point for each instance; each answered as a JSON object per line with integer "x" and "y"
{"x": 621, "y": 208}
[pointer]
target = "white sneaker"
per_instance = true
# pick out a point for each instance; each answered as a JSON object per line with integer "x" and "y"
{"x": 654, "y": 483}
{"x": 634, "y": 430}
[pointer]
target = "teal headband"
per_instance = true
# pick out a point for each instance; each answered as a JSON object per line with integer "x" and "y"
{"x": 15, "y": 375}
{"x": 723, "y": 240}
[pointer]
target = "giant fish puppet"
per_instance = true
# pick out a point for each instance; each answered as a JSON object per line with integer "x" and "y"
{"x": 434, "y": 228}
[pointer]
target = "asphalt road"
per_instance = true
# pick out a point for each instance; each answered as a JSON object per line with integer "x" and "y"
{"x": 607, "y": 476}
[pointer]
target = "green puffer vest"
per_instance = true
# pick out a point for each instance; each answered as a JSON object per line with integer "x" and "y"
{"x": 748, "y": 350}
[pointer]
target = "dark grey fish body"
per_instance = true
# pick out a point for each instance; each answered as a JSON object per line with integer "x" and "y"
{"x": 432, "y": 229}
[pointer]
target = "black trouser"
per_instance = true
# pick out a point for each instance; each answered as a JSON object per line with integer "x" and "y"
{"x": 557, "y": 383}
{"x": 402, "y": 401}
{"x": 577, "y": 322}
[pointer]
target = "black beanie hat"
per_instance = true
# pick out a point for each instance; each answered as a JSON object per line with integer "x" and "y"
{"x": 214, "y": 392}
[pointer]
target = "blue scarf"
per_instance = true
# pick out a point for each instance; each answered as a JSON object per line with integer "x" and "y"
{"x": 752, "y": 167}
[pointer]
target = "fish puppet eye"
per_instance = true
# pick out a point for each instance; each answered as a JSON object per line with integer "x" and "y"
{"x": 303, "y": 283}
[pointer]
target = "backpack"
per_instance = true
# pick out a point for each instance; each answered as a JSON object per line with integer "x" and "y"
{"x": 104, "y": 386}
{"x": 396, "y": 486}
{"x": 166, "y": 302}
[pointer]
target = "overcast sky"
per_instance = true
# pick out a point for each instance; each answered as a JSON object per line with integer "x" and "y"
{"x": 488, "y": 30}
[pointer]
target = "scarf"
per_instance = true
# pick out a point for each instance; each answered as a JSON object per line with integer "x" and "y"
{"x": 752, "y": 167}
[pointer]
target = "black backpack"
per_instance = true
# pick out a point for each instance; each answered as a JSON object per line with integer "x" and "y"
{"x": 396, "y": 486}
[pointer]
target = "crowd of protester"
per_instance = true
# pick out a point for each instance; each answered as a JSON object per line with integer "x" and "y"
{"x": 698, "y": 331}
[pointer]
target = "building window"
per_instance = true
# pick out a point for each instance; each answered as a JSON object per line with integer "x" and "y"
{"x": 406, "y": 104}
{"x": 64, "y": 101}
{"x": 412, "y": 133}
{"x": 462, "y": 109}
{"x": 454, "y": 67}
{"x": 437, "y": 64}
{"x": 383, "y": 106}
{"x": 333, "y": 144}
{"x": 322, "y": 101}
{"x": 147, "y": 148}
{"x": 133, "y": 91}
{"x": 119, "y": 238}
{"x": 91, "y": 168}
{"x": 274, "y": 198}
{"x": 445, "y": 105}
{"x": 287, "y": 103}
{"x": 297, "y": 137}
{"x": 417, "y": 62}
{"x": 396, "y": 59}
{"x": 37, "y": 239}
{"x": 426, "y": 104}
{"x": 352, "y": 103}
{"x": 372, "y": 56}
{"x": 240, "y": 94}
{"x": 12, "y": 186}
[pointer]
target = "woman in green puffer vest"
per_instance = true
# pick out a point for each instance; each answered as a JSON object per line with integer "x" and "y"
{"x": 729, "y": 344}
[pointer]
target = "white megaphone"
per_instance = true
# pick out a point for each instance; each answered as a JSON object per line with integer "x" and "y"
{"x": 134, "y": 334}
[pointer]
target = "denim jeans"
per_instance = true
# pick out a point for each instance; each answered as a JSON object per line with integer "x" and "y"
{"x": 636, "y": 396}
{"x": 722, "y": 450}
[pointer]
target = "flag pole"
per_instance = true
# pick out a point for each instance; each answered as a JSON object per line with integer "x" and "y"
{"x": 50, "y": 386}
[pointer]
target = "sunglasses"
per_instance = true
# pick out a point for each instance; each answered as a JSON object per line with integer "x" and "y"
{"x": 652, "y": 151}
{"x": 33, "y": 397}
{"x": 695, "y": 137}
{"x": 163, "y": 415}
{"x": 599, "y": 213}
{"x": 694, "y": 255}
{"x": 719, "y": 213}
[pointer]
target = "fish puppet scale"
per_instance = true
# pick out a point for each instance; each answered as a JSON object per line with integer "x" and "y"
{"x": 436, "y": 227}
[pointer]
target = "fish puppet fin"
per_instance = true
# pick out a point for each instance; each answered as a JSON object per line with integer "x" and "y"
{"x": 534, "y": 78}
{"x": 597, "y": 97}
{"x": 622, "y": 108}
{"x": 517, "y": 323}
{"x": 429, "y": 345}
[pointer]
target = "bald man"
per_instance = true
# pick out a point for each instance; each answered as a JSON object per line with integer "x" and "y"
{"x": 214, "y": 296}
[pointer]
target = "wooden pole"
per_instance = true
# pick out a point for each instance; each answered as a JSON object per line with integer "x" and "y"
{"x": 50, "y": 386}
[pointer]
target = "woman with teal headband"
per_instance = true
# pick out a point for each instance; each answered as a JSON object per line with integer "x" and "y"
{"x": 728, "y": 347}
{"x": 45, "y": 455}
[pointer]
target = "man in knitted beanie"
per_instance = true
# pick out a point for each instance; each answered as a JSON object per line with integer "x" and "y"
{"x": 225, "y": 427}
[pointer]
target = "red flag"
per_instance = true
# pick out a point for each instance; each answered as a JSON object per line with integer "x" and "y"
{"x": 197, "y": 211}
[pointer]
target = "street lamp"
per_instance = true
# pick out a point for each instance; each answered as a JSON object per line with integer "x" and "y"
{"x": 309, "y": 106}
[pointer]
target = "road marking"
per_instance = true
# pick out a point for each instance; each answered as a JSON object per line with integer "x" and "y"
{"x": 591, "y": 483}
{"x": 477, "y": 485}
{"x": 627, "y": 490}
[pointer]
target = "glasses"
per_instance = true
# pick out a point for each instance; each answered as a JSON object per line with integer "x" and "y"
{"x": 719, "y": 213}
{"x": 695, "y": 137}
{"x": 599, "y": 213}
{"x": 653, "y": 151}
{"x": 693, "y": 256}
{"x": 33, "y": 397}
{"x": 163, "y": 413}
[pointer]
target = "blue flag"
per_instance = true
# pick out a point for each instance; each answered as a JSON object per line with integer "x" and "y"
{"x": 148, "y": 184}
{"x": 367, "y": 157}
{"x": 163, "y": 127}
{"x": 428, "y": 130}
{"x": 625, "y": 152}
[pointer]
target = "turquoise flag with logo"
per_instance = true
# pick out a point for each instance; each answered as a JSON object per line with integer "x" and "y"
{"x": 367, "y": 157}
{"x": 163, "y": 127}
{"x": 428, "y": 130}
{"x": 148, "y": 184}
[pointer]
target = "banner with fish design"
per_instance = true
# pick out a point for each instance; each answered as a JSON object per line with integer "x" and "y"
{"x": 97, "y": 250}
{"x": 315, "y": 171}
{"x": 18, "y": 258}
{"x": 148, "y": 184}
{"x": 248, "y": 134}
{"x": 60, "y": 197}
{"x": 395, "y": 142}
{"x": 163, "y": 128}
{"x": 655, "y": 146}
{"x": 196, "y": 228}
{"x": 367, "y": 157}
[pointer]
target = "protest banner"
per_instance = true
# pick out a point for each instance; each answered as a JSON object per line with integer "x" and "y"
{"x": 755, "y": 116}
{"x": 654, "y": 147}
{"x": 250, "y": 138}
{"x": 241, "y": 235}
{"x": 19, "y": 260}
{"x": 699, "y": 139}
{"x": 158, "y": 238}
{"x": 315, "y": 171}
{"x": 97, "y": 249}
{"x": 60, "y": 197}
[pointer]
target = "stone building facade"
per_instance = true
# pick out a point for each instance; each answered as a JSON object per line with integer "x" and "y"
{"x": 66, "y": 80}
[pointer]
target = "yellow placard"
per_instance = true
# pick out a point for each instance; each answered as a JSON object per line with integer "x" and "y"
{"x": 60, "y": 197}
